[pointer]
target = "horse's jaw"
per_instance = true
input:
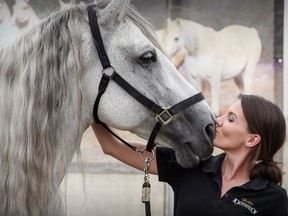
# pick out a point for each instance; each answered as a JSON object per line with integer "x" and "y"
{"x": 188, "y": 154}
{"x": 189, "y": 135}
{"x": 187, "y": 157}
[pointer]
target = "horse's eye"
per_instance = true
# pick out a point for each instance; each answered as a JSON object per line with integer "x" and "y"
{"x": 148, "y": 57}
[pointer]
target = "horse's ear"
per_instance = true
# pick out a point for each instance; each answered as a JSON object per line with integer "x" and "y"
{"x": 114, "y": 11}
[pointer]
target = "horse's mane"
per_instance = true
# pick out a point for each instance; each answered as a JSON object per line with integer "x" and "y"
{"x": 39, "y": 80}
{"x": 40, "y": 73}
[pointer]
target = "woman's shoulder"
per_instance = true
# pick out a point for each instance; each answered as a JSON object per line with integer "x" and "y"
{"x": 277, "y": 188}
{"x": 277, "y": 195}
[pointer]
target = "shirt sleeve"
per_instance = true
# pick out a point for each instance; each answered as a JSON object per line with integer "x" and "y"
{"x": 281, "y": 205}
{"x": 166, "y": 164}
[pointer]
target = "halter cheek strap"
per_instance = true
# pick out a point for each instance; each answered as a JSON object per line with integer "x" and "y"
{"x": 163, "y": 115}
{"x": 97, "y": 36}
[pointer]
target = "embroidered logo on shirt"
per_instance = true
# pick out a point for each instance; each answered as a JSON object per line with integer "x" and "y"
{"x": 246, "y": 204}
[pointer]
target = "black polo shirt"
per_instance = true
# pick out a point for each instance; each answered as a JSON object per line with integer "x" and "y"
{"x": 197, "y": 191}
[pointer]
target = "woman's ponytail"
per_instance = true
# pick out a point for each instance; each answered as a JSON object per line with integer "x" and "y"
{"x": 266, "y": 119}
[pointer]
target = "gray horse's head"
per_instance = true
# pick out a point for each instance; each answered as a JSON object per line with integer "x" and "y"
{"x": 137, "y": 57}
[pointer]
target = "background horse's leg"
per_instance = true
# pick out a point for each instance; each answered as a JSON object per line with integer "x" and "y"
{"x": 254, "y": 49}
{"x": 215, "y": 85}
{"x": 248, "y": 76}
{"x": 239, "y": 82}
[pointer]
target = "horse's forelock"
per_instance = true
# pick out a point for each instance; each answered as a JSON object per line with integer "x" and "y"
{"x": 37, "y": 86}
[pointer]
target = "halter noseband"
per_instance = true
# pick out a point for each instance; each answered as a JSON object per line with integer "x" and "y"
{"x": 163, "y": 115}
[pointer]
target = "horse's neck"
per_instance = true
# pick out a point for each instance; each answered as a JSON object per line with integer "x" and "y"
{"x": 190, "y": 32}
{"x": 196, "y": 34}
{"x": 190, "y": 27}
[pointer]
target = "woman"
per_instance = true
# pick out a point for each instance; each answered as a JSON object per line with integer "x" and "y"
{"x": 244, "y": 180}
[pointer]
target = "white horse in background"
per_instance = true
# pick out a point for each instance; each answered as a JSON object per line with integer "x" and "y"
{"x": 7, "y": 27}
{"x": 206, "y": 54}
{"x": 23, "y": 14}
{"x": 20, "y": 16}
{"x": 49, "y": 78}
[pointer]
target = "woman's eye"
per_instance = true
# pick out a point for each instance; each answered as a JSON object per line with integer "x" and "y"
{"x": 231, "y": 119}
{"x": 148, "y": 57}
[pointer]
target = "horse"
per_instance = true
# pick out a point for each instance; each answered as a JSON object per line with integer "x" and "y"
{"x": 15, "y": 16}
{"x": 49, "y": 78}
{"x": 23, "y": 14}
{"x": 7, "y": 29}
{"x": 206, "y": 54}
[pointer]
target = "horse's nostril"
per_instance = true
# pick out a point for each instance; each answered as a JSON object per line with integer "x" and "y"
{"x": 210, "y": 131}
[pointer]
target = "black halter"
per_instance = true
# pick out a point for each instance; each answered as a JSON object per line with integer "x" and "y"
{"x": 163, "y": 115}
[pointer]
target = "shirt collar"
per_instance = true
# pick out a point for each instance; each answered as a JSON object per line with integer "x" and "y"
{"x": 258, "y": 183}
{"x": 213, "y": 166}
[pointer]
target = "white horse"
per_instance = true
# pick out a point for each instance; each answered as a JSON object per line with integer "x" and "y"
{"x": 7, "y": 27}
{"x": 49, "y": 77}
{"x": 23, "y": 14}
{"x": 231, "y": 53}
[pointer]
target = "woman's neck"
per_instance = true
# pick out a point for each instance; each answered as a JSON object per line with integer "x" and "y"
{"x": 235, "y": 167}
{"x": 235, "y": 172}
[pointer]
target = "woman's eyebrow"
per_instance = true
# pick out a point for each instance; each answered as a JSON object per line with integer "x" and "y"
{"x": 232, "y": 114}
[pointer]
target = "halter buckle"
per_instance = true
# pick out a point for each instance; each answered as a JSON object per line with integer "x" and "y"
{"x": 164, "y": 117}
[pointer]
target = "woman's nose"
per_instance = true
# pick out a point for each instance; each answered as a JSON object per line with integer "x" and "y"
{"x": 218, "y": 122}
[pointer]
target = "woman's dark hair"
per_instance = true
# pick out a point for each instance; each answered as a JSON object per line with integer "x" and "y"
{"x": 266, "y": 119}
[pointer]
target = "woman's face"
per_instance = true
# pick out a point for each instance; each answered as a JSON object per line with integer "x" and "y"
{"x": 231, "y": 129}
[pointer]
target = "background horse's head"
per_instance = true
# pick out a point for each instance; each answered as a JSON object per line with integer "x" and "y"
{"x": 23, "y": 14}
{"x": 172, "y": 37}
{"x": 48, "y": 84}
{"x": 180, "y": 35}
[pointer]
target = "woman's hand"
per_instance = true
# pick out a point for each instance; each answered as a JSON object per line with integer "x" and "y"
{"x": 114, "y": 147}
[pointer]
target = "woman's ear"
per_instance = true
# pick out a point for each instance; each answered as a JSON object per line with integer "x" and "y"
{"x": 253, "y": 140}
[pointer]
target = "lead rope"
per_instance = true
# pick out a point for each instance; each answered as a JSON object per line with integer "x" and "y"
{"x": 146, "y": 187}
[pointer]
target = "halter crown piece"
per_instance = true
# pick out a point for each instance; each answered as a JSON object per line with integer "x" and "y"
{"x": 163, "y": 115}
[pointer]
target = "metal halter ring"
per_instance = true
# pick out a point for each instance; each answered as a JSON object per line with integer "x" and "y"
{"x": 146, "y": 159}
{"x": 109, "y": 70}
